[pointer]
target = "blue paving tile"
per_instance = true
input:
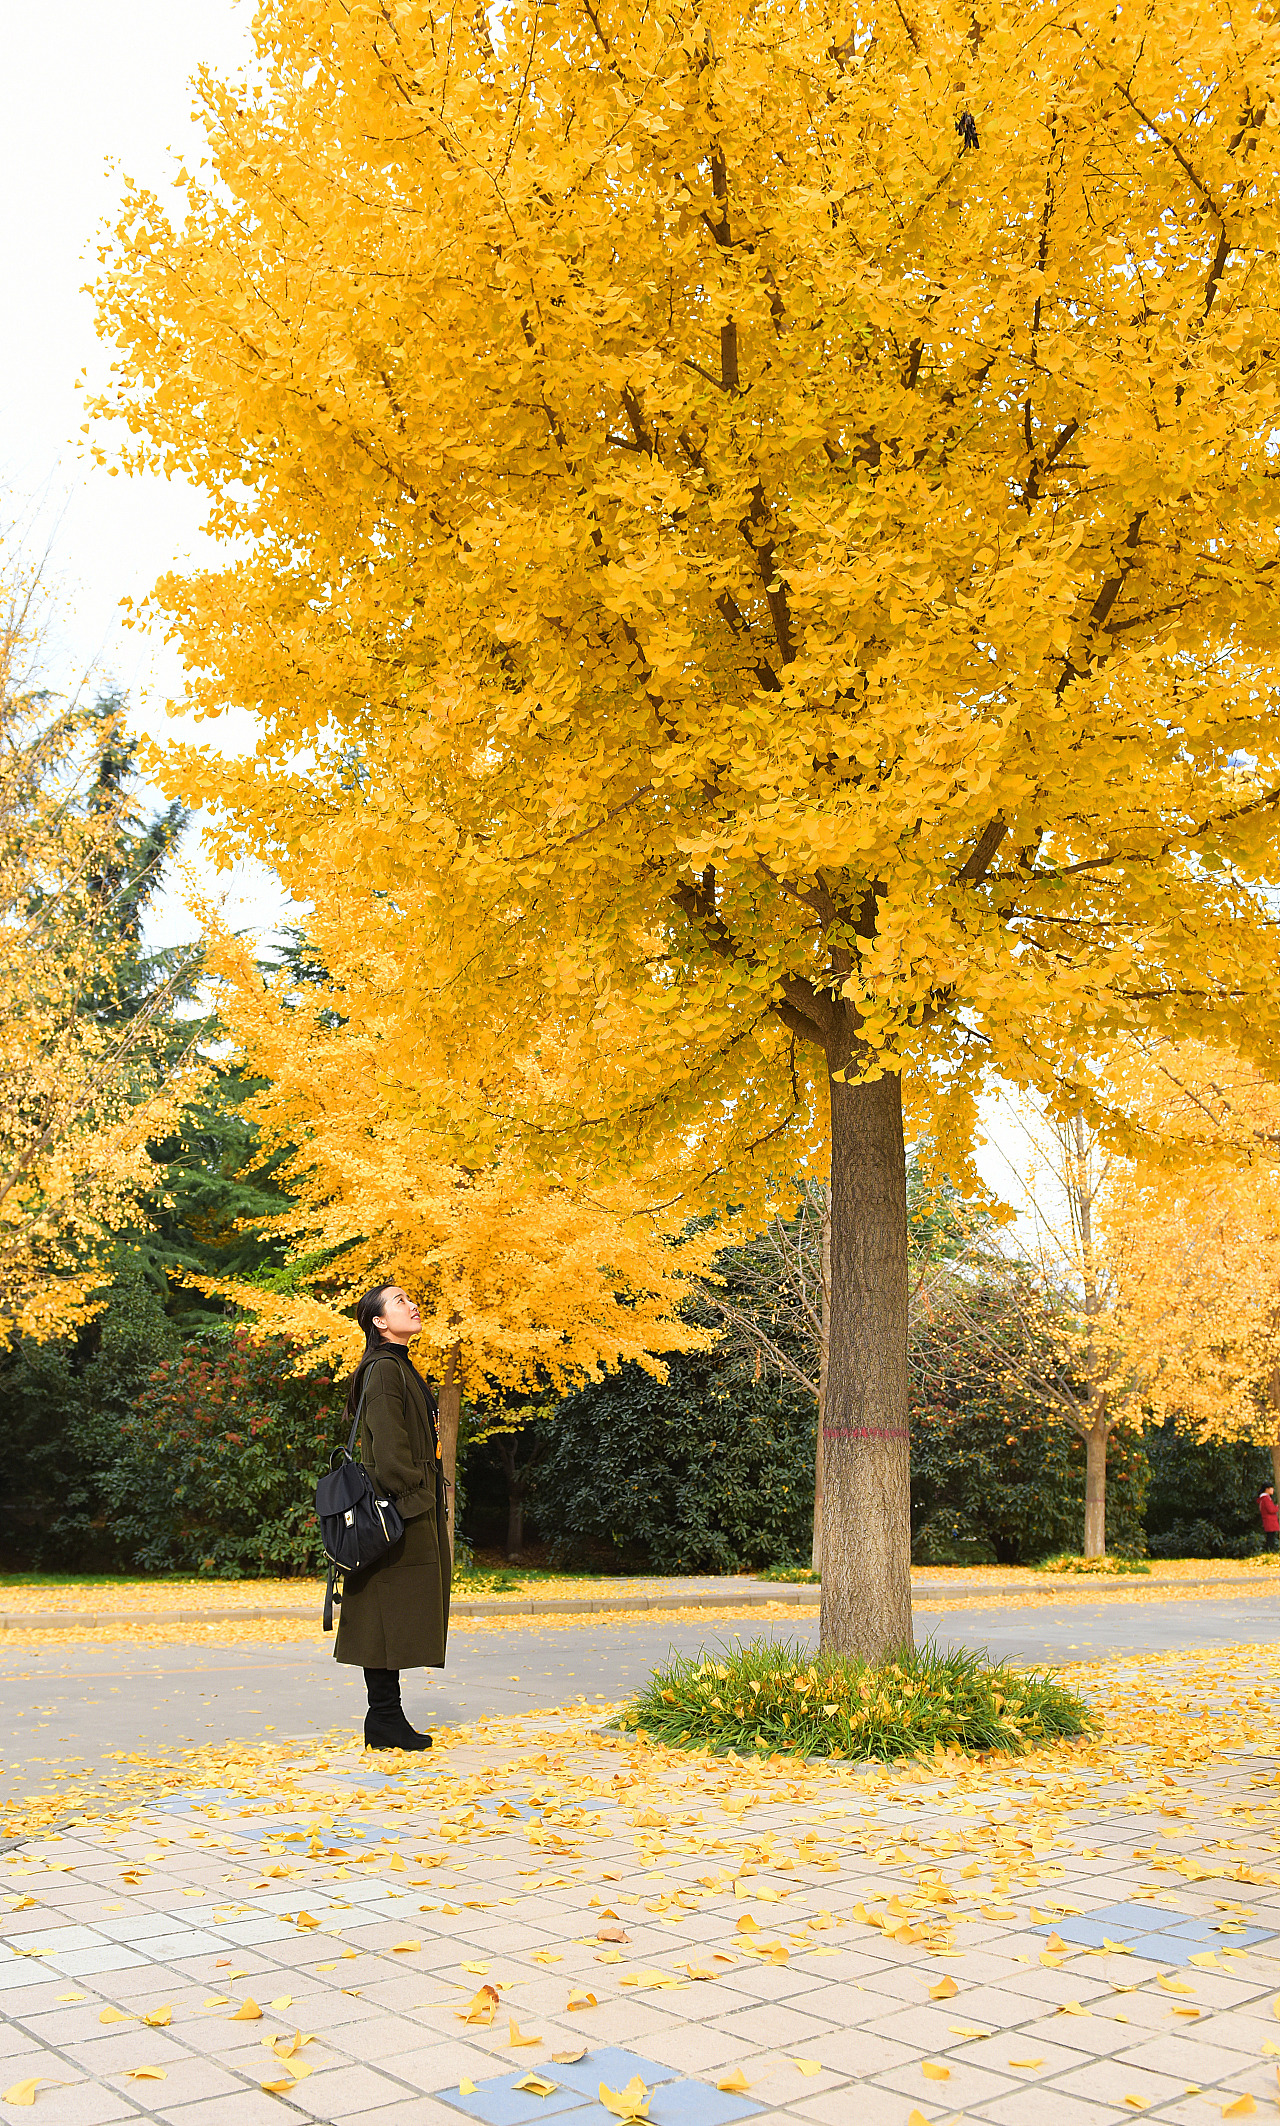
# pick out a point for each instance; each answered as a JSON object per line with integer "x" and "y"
{"x": 500, "y": 2103}
{"x": 1206, "y": 1936}
{"x": 1163, "y": 1948}
{"x": 693, "y": 2104}
{"x": 612, "y": 2065}
{"x": 1088, "y": 1933}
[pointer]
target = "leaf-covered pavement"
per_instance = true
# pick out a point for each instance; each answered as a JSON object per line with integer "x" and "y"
{"x": 322, "y": 1931}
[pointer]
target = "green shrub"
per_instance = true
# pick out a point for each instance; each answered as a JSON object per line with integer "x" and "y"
{"x": 219, "y": 1457}
{"x": 771, "y": 1698}
{"x": 711, "y": 1471}
{"x": 1203, "y": 1501}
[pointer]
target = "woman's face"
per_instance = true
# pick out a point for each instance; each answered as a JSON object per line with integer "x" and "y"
{"x": 399, "y": 1319}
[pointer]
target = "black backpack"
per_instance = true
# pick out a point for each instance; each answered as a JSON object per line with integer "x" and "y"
{"x": 356, "y": 1526}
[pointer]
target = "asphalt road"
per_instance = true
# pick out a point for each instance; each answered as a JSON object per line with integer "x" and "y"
{"x": 65, "y": 1709}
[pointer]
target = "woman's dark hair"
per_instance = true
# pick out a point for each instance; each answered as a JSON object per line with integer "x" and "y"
{"x": 366, "y": 1309}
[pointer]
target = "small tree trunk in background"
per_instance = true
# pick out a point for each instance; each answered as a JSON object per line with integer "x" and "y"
{"x": 1095, "y": 1490}
{"x": 823, "y": 1353}
{"x": 515, "y": 1500}
{"x": 866, "y": 1519}
{"x": 447, "y": 1421}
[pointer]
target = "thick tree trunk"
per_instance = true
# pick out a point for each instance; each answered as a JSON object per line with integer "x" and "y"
{"x": 448, "y": 1418}
{"x": 866, "y": 1520}
{"x": 824, "y": 1353}
{"x": 1095, "y": 1491}
{"x": 1275, "y": 1462}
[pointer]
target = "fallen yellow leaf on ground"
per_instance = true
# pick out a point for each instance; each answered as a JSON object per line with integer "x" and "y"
{"x": 747, "y": 1925}
{"x": 25, "y": 2092}
{"x": 247, "y": 2012}
{"x": 405, "y": 1948}
{"x": 114, "y": 2015}
{"x": 466, "y": 2086}
{"x": 1241, "y": 2109}
{"x": 481, "y": 2008}
{"x": 159, "y": 2018}
{"x": 945, "y": 1990}
{"x": 546, "y": 1956}
{"x": 580, "y": 1998}
{"x": 629, "y": 2103}
{"x": 808, "y": 2066}
{"x": 734, "y": 2081}
{"x": 569, "y": 2059}
{"x": 516, "y": 2036}
{"x": 1027, "y": 2063}
{"x": 934, "y": 2071}
{"x": 476, "y": 1970}
{"x": 966, "y": 2030}
{"x": 146, "y": 2074}
{"x": 536, "y": 2085}
{"x": 281, "y": 2002}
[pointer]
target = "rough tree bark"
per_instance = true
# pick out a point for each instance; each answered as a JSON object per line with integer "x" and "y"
{"x": 449, "y": 1415}
{"x": 824, "y": 1352}
{"x": 1095, "y": 1489}
{"x": 866, "y": 1522}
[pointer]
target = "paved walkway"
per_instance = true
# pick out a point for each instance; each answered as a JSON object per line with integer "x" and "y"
{"x": 495, "y": 1933}
{"x": 71, "y": 1708}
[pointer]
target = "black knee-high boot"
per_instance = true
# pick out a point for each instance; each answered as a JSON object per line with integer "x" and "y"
{"x": 385, "y": 1725}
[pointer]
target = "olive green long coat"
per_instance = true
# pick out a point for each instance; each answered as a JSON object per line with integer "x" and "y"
{"x": 395, "y": 1614}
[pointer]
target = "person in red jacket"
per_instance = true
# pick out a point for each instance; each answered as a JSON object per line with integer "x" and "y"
{"x": 1270, "y": 1513}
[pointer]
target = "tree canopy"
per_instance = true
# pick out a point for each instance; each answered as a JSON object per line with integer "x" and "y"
{"x": 762, "y": 569}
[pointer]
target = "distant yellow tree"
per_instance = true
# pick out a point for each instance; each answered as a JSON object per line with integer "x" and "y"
{"x": 761, "y": 559}
{"x": 1203, "y": 1244}
{"x": 523, "y": 1283}
{"x": 85, "y": 1078}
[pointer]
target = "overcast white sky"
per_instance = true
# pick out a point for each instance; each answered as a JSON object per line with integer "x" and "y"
{"x": 90, "y": 89}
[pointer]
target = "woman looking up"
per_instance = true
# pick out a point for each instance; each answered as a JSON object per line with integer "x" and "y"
{"x": 395, "y": 1614}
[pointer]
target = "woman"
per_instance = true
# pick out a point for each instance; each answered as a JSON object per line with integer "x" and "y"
{"x": 395, "y": 1614}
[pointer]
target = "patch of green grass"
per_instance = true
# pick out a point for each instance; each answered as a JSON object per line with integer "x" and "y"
{"x": 803, "y": 1574}
{"x": 770, "y": 1697}
{"x": 1101, "y": 1568}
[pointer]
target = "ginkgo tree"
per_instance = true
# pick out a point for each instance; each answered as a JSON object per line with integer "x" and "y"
{"x": 522, "y": 1282}
{"x": 761, "y": 566}
{"x": 1203, "y": 1247}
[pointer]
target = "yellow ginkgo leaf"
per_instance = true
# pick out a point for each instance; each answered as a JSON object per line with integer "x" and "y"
{"x": 247, "y": 2012}
{"x": 25, "y": 2092}
{"x": 580, "y": 1998}
{"x": 146, "y": 2074}
{"x": 807, "y": 2066}
{"x": 1242, "y": 2108}
{"x": 945, "y": 1990}
{"x": 517, "y": 2036}
{"x": 115, "y": 2015}
{"x": 734, "y": 2082}
{"x": 159, "y": 2018}
{"x": 934, "y": 2071}
{"x": 466, "y": 2086}
{"x": 629, "y": 2103}
{"x": 536, "y": 2085}
{"x": 405, "y": 1948}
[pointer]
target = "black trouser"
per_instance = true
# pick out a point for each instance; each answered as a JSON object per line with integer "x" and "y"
{"x": 1271, "y": 1538}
